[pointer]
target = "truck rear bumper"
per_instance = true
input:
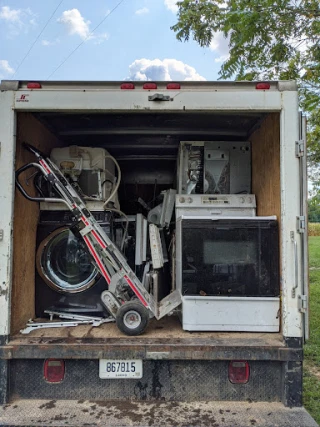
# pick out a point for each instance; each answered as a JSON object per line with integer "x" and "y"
{"x": 186, "y": 368}
{"x": 128, "y": 413}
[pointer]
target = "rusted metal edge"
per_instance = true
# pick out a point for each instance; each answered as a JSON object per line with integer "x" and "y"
{"x": 150, "y": 352}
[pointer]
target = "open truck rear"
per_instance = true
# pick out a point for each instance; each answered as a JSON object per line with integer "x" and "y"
{"x": 244, "y": 369}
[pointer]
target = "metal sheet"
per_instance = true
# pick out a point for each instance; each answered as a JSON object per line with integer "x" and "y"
{"x": 7, "y": 141}
{"x": 290, "y": 209}
{"x": 111, "y": 85}
{"x": 115, "y": 100}
{"x": 166, "y": 380}
{"x": 230, "y": 314}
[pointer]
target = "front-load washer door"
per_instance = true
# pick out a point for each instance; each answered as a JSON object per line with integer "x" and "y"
{"x": 64, "y": 263}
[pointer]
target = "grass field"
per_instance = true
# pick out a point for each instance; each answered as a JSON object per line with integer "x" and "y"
{"x": 314, "y": 229}
{"x": 312, "y": 348}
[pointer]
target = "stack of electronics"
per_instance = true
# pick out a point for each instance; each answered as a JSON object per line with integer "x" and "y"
{"x": 227, "y": 257}
{"x": 218, "y": 256}
{"x": 66, "y": 279}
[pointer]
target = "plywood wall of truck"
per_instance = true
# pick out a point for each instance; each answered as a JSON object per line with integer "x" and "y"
{"x": 26, "y": 214}
{"x": 266, "y": 166}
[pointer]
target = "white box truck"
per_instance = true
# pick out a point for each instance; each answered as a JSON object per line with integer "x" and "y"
{"x": 235, "y": 250}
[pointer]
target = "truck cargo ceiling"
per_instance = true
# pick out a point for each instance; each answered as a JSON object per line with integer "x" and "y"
{"x": 158, "y": 131}
{"x": 149, "y": 130}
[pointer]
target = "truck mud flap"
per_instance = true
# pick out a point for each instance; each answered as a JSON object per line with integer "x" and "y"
{"x": 115, "y": 413}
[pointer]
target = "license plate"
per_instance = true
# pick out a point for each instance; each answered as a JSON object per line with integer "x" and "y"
{"x": 109, "y": 368}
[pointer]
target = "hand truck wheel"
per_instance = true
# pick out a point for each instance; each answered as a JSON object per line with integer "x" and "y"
{"x": 132, "y": 318}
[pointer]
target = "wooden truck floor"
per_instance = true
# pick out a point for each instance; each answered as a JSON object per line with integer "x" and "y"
{"x": 164, "y": 339}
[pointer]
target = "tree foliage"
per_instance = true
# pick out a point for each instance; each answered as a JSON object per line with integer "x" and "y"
{"x": 268, "y": 40}
{"x": 314, "y": 209}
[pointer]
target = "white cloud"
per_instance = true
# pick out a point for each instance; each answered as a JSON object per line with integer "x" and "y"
{"x": 171, "y": 5}
{"x": 168, "y": 69}
{"x": 220, "y": 45}
{"x": 46, "y": 43}
{"x": 17, "y": 20}
{"x": 300, "y": 45}
{"x": 142, "y": 11}
{"x": 50, "y": 43}
{"x": 10, "y": 15}
{"x": 75, "y": 23}
{"x": 5, "y": 68}
{"x": 221, "y": 58}
{"x": 100, "y": 38}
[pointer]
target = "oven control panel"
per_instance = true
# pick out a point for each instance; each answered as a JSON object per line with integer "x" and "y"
{"x": 216, "y": 200}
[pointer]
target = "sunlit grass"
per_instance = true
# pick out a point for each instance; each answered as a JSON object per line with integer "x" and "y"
{"x": 314, "y": 229}
{"x": 311, "y": 389}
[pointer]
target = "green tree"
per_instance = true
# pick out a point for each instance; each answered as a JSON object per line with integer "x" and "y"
{"x": 314, "y": 209}
{"x": 268, "y": 40}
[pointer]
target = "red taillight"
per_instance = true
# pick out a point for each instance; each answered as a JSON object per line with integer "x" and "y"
{"x": 127, "y": 86}
{"x": 239, "y": 372}
{"x": 264, "y": 86}
{"x": 173, "y": 86}
{"x": 54, "y": 370}
{"x": 33, "y": 85}
{"x": 149, "y": 86}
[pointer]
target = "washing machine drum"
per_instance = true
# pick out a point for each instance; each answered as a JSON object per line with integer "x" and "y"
{"x": 64, "y": 263}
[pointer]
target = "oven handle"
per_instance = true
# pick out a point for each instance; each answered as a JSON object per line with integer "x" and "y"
{"x": 296, "y": 271}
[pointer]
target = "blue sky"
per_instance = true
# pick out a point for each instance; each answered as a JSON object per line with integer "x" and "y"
{"x": 134, "y": 42}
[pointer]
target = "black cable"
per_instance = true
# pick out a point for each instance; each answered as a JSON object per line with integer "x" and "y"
{"x": 83, "y": 41}
{"x": 26, "y": 55}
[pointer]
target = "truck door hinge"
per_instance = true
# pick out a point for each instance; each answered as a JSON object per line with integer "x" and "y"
{"x": 1, "y": 235}
{"x": 302, "y": 303}
{"x": 300, "y": 148}
{"x": 301, "y": 224}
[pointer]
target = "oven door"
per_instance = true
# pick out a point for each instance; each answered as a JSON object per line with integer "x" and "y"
{"x": 228, "y": 257}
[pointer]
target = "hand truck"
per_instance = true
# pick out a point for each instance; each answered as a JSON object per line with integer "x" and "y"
{"x": 132, "y": 316}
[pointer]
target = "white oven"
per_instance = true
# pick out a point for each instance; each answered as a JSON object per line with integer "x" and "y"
{"x": 228, "y": 269}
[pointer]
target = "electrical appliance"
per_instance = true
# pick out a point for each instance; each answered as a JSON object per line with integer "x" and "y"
{"x": 215, "y": 205}
{"x": 214, "y": 167}
{"x": 227, "y": 264}
{"x": 91, "y": 170}
{"x": 65, "y": 278}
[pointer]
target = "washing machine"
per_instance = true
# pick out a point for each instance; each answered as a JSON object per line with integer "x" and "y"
{"x": 65, "y": 278}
